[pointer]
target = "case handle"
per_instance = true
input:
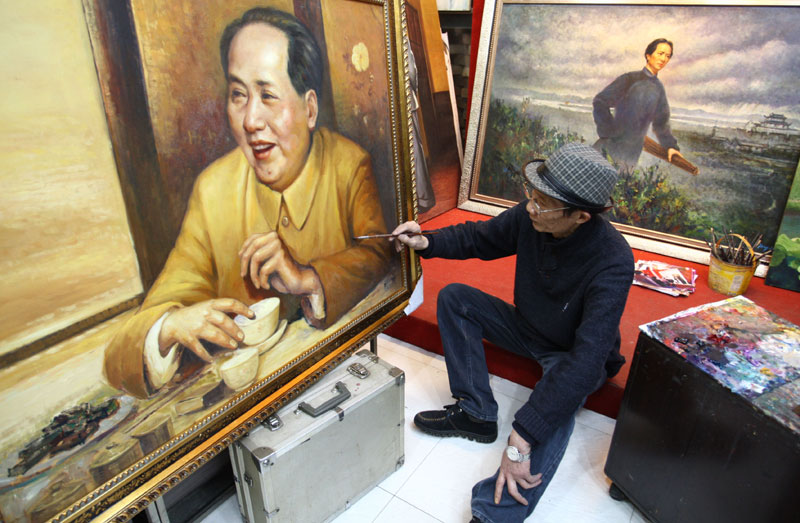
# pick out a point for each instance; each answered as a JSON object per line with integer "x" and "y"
{"x": 342, "y": 395}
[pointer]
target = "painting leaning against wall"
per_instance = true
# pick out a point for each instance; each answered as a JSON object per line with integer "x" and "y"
{"x": 723, "y": 108}
{"x": 784, "y": 267}
{"x": 436, "y": 147}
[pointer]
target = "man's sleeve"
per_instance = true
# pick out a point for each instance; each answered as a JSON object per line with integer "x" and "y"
{"x": 485, "y": 240}
{"x": 348, "y": 275}
{"x": 661, "y": 127}
{"x": 159, "y": 369}
{"x": 187, "y": 278}
{"x": 604, "y": 101}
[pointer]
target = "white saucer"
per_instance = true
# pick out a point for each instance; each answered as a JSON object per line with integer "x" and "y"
{"x": 267, "y": 344}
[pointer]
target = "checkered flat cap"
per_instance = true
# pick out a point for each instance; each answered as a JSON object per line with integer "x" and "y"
{"x": 576, "y": 174}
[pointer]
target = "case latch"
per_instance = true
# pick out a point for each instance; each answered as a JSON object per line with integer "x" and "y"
{"x": 358, "y": 370}
{"x": 273, "y": 422}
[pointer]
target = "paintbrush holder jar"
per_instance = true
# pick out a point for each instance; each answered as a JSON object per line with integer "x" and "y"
{"x": 729, "y": 278}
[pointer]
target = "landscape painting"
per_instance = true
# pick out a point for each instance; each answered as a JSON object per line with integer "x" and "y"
{"x": 206, "y": 180}
{"x": 784, "y": 267}
{"x": 716, "y": 94}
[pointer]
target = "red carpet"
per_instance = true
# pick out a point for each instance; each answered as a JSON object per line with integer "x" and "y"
{"x": 497, "y": 277}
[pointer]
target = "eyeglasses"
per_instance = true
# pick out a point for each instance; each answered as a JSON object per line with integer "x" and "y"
{"x": 536, "y": 207}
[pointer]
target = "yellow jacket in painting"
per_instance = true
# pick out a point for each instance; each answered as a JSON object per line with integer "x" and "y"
{"x": 333, "y": 199}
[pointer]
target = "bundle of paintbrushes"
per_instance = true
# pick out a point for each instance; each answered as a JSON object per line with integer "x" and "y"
{"x": 736, "y": 249}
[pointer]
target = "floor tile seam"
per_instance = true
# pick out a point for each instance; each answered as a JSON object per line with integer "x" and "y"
{"x": 512, "y": 382}
{"x": 394, "y": 343}
{"x": 401, "y": 498}
{"x": 590, "y": 425}
{"x": 420, "y": 355}
{"x": 423, "y": 360}
{"x": 390, "y": 344}
{"x": 634, "y": 512}
{"x": 391, "y": 497}
{"x": 507, "y": 396}
{"x": 415, "y": 469}
{"x": 377, "y": 518}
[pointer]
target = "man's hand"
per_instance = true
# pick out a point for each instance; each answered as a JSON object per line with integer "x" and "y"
{"x": 207, "y": 320}
{"x": 672, "y": 152}
{"x": 417, "y": 243}
{"x": 268, "y": 264}
{"x": 512, "y": 474}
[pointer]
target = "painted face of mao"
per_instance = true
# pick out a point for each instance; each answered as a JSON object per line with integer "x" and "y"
{"x": 270, "y": 121}
{"x": 660, "y": 58}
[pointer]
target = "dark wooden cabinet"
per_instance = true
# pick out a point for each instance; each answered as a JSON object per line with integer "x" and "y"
{"x": 687, "y": 449}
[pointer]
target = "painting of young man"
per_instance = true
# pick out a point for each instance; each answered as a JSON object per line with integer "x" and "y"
{"x": 704, "y": 130}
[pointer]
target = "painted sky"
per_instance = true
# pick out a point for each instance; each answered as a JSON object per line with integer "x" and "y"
{"x": 729, "y": 60}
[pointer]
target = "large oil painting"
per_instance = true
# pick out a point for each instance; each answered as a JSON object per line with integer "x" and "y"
{"x": 438, "y": 165}
{"x": 217, "y": 173}
{"x": 696, "y": 105}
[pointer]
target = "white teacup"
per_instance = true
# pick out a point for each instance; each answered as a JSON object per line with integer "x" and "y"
{"x": 263, "y": 325}
{"x": 238, "y": 368}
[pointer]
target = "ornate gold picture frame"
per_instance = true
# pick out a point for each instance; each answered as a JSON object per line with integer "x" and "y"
{"x": 121, "y": 443}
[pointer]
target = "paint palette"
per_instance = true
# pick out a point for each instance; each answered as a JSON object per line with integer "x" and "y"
{"x": 743, "y": 346}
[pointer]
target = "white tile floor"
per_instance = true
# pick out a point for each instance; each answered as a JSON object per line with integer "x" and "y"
{"x": 435, "y": 482}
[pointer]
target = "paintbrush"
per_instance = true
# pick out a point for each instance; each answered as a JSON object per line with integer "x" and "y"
{"x": 761, "y": 255}
{"x": 741, "y": 253}
{"x": 389, "y": 235}
{"x": 714, "y": 250}
{"x": 756, "y": 243}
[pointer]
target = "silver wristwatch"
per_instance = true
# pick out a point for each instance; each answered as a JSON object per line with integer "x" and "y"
{"x": 516, "y": 456}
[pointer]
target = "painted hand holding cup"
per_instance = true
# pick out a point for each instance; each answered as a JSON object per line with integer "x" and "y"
{"x": 263, "y": 325}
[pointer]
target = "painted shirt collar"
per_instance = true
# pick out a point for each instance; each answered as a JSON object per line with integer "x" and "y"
{"x": 297, "y": 198}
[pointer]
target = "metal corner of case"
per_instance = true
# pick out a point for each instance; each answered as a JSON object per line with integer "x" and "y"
{"x": 366, "y": 353}
{"x": 262, "y": 455}
{"x": 398, "y": 375}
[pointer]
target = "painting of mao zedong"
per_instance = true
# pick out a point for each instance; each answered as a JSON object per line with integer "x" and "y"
{"x": 274, "y": 217}
{"x": 639, "y": 101}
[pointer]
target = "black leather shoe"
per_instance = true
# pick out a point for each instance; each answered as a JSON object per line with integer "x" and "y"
{"x": 452, "y": 421}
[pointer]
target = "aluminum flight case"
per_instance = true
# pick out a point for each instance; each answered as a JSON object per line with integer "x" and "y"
{"x": 324, "y": 450}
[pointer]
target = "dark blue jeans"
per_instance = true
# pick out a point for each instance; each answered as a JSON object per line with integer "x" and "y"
{"x": 466, "y": 316}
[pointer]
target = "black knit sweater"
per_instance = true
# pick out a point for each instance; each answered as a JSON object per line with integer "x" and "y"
{"x": 570, "y": 292}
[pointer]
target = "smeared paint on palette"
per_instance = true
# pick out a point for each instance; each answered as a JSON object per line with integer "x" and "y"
{"x": 783, "y": 404}
{"x": 743, "y": 346}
